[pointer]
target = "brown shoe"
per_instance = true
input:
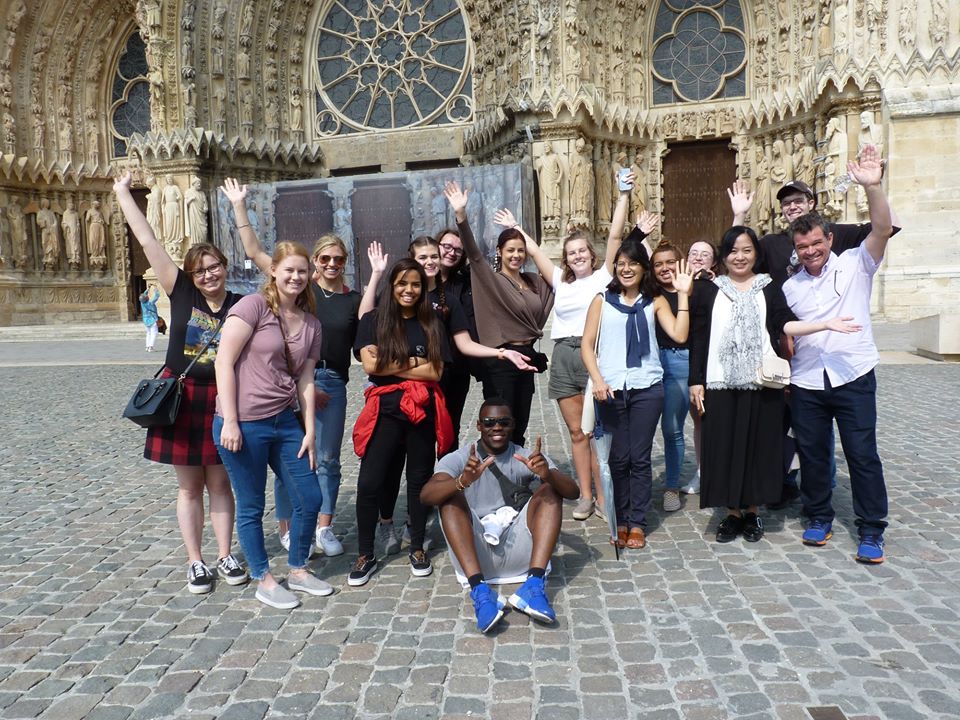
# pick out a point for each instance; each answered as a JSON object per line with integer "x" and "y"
{"x": 636, "y": 539}
{"x": 621, "y": 540}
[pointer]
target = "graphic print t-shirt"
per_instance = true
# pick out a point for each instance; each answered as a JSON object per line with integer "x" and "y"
{"x": 192, "y": 323}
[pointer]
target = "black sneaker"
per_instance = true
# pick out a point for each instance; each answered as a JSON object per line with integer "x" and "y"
{"x": 232, "y": 572}
{"x": 729, "y": 529}
{"x": 362, "y": 570}
{"x": 199, "y": 578}
{"x": 420, "y": 564}
{"x": 752, "y": 527}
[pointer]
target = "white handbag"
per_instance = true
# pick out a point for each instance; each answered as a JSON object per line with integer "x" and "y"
{"x": 588, "y": 420}
{"x": 774, "y": 372}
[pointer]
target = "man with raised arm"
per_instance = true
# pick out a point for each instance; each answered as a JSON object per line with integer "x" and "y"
{"x": 500, "y": 509}
{"x": 833, "y": 373}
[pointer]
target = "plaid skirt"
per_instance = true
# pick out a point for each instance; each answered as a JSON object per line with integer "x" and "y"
{"x": 189, "y": 441}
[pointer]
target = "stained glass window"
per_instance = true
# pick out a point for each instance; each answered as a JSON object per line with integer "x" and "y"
{"x": 130, "y": 95}
{"x": 390, "y": 64}
{"x": 699, "y": 51}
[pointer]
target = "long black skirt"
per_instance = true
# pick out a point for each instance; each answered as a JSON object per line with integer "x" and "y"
{"x": 741, "y": 459}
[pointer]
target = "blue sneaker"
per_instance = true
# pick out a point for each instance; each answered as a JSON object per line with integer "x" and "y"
{"x": 487, "y": 605}
{"x": 531, "y": 599}
{"x": 870, "y": 549}
{"x": 817, "y": 533}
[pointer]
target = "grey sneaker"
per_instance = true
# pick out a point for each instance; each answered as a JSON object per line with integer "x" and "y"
{"x": 388, "y": 538}
{"x": 598, "y": 511}
{"x": 309, "y": 583}
{"x": 671, "y": 500}
{"x": 279, "y": 597}
{"x": 328, "y": 542}
{"x": 583, "y": 509}
{"x": 692, "y": 487}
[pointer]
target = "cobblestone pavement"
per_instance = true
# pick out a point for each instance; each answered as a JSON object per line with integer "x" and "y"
{"x": 95, "y": 621}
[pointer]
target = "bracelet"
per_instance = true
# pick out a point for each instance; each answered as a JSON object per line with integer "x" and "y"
{"x": 500, "y": 353}
{"x": 459, "y": 482}
{"x": 241, "y": 227}
{"x": 683, "y": 310}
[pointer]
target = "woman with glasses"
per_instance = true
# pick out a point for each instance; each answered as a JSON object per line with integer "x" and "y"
{"x": 199, "y": 301}
{"x": 627, "y": 377}
{"x": 338, "y": 308}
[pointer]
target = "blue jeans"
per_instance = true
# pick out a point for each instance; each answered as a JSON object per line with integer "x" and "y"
{"x": 273, "y": 441}
{"x": 854, "y": 406}
{"x": 329, "y": 432}
{"x": 676, "y": 404}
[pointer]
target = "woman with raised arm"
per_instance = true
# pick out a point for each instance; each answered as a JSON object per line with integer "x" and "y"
{"x": 627, "y": 377}
{"x": 511, "y": 308}
{"x": 199, "y": 301}
{"x": 403, "y": 347}
{"x": 268, "y": 352}
{"x": 579, "y": 277}
{"x": 338, "y": 308}
{"x": 737, "y": 320}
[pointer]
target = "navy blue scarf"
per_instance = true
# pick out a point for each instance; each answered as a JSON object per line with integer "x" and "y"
{"x": 638, "y": 335}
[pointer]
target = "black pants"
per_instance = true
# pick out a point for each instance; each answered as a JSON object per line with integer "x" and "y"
{"x": 516, "y": 387}
{"x": 455, "y": 384}
{"x": 395, "y": 440}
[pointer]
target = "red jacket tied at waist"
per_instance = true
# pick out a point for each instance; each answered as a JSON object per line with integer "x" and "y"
{"x": 416, "y": 397}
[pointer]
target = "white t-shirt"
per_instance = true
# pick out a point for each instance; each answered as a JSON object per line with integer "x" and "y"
{"x": 572, "y": 300}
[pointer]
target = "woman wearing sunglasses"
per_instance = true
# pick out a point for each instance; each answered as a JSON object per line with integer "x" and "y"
{"x": 338, "y": 308}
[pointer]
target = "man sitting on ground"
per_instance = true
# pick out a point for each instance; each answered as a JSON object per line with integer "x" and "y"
{"x": 500, "y": 509}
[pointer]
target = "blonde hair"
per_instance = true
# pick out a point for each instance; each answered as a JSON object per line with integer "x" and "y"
{"x": 326, "y": 240}
{"x": 305, "y": 300}
{"x": 568, "y": 275}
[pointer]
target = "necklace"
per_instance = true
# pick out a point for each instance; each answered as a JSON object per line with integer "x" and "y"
{"x": 518, "y": 285}
{"x": 326, "y": 294}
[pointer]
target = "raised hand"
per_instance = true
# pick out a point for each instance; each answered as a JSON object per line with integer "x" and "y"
{"x": 683, "y": 278}
{"x": 122, "y": 183}
{"x": 741, "y": 197}
{"x": 455, "y": 196}
{"x": 378, "y": 258}
{"x": 537, "y": 463}
{"x": 628, "y": 179}
{"x": 474, "y": 468}
{"x": 869, "y": 170}
{"x": 505, "y": 218}
{"x": 843, "y": 325}
{"x": 648, "y": 222}
{"x": 234, "y": 191}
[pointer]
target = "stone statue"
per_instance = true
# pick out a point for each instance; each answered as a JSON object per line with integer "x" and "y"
{"x": 246, "y": 24}
{"x": 763, "y": 199}
{"x": 246, "y": 107}
{"x": 825, "y": 37}
{"x": 780, "y": 168}
{"x": 118, "y": 231}
{"x": 581, "y": 185}
{"x": 907, "y": 27}
{"x": 550, "y": 172}
{"x": 155, "y": 78}
{"x": 151, "y": 10}
{"x": 802, "y": 159}
{"x": 938, "y": 21}
{"x": 271, "y": 116}
{"x": 66, "y": 140}
{"x": 15, "y": 16}
{"x": 18, "y": 233}
{"x": 93, "y": 143}
{"x": 619, "y": 163}
{"x": 604, "y": 186}
{"x": 172, "y": 220}
{"x": 572, "y": 53}
{"x": 870, "y": 133}
{"x": 343, "y": 220}
{"x": 296, "y": 112}
{"x": 841, "y": 22}
{"x": 638, "y": 196}
{"x": 834, "y": 164}
{"x": 219, "y": 13}
{"x": 70, "y": 223}
{"x": 196, "y": 203}
{"x": 96, "y": 236}
{"x": 154, "y": 208}
{"x": 219, "y": 107}
{"x": 47, "y": 224}
{"x": 9, "y": 133}
{"x": 438, "y": 209}
{"x": 243, "y": 65}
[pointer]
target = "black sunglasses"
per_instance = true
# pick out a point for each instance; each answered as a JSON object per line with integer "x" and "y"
{"x": 489, "y": 422}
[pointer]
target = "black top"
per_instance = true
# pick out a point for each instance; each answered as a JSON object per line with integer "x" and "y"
{"x": 664, "y": 340}
{"x": 338, "y": 315}
{"x": 191, "y": 324}
{"x": 701, "y": 314}
{"x": 454, "y": 321}
{"x": 778, "y": 248}
{"x": 459, "y": 286}
{"x": 416, "y": 343}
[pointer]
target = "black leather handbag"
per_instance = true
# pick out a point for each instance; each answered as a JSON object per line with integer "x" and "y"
{"x": 156, "y": 401}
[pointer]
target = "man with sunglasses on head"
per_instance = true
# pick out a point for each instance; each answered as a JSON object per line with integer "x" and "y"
{"x": 500, "y": 509}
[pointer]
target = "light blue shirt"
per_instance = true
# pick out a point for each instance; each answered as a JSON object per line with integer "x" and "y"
{"x": 612, "y": 355}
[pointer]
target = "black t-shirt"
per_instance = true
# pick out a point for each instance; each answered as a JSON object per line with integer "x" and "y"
{"x": 458, "y": 286}
{"x": 416, "y": 343}
{"x": 191, "y": 324}
{"x": 778, "y": 248}
{"x": 338, "y": 316}
{"x": 664, "y": 340}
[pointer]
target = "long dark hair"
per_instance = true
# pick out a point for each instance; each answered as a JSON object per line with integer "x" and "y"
{"x": 730, "y": 239}
{"x": 505, "y": 237}
{"x": 635, "y": 252}
{"x": 427, "y": 241}
{"x": 392, "y": 346}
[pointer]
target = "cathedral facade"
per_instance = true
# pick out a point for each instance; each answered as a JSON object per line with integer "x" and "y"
{"x": 689, "y": 95}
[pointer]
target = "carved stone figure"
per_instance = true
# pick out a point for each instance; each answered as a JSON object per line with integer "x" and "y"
{"x": 825, "y": 37}
{"x": 638, "y": 196}
{"x": 841, "y": 22}
{"x": 296, "y": 112}
{"x": 155, "y": 78}
{"x": 780, "y": 168}
{"x": 550, "y": 172}
{"x": 216, "y": 60}
{"x": 152, "y": 15}
{"x": 834, "y": 164}
{"x": 96, "y": 236}
{"x": 581, "y": 184}
{"x": 574, "y": 66}
{"x": 118, "y": 231}
{"x": 49, "y": 242}
{"x": 70, "y": 223}
{"x": 93, "y": 143}
{"x": 18, "y": 233}
{"x": 907, "y": 27}
{"x": 870, "y": 133}
{"x": 66, "y": 141}
{"x": 763, "y": 195}
{"x": 172, "y": 219}
{"x": 938, "y": 21}
{"x": 636, "y": 89}
{"x": 195, "y": 201}
{"x": 271, "y": 116}
{"x": 219, "y": 13}
{"x": 619, "y": 163}
{"x": 246, "y": 25}
{"x": 15, "y": 16}
{"x": 219, "y": 95}
{"x": 9, "y": 133}
{"x": 802, "y": 159}
{"x": 154, "y": 208}
{"x": 604, "y": 186}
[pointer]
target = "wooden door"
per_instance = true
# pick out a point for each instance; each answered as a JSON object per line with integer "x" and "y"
{"x": 695, "y": 181}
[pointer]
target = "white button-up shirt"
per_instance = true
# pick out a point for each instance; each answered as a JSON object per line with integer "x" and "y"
{"x": 841, "y": 289}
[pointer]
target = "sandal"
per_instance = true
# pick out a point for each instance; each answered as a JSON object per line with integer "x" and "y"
{"x": 621, "y": 540}
{"x": 636, "y": 539}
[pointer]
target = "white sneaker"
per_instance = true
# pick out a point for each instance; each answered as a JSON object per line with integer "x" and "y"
{"x": 692, "y": 487}
{"x": 285, "y": 540}
{"x": 328, "y": 542}
{"x": 388, "y": 538}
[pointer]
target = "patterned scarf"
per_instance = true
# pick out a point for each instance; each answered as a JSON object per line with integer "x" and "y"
{"x": 741, "y": 347}
{"x": 638, "y": 335}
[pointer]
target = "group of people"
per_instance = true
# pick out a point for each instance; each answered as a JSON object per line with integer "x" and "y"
{"x": 651, "y": 334}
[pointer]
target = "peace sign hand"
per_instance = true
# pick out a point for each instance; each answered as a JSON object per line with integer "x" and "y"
{"x": 474, "y": 468}
{"x": 537, "y": 463}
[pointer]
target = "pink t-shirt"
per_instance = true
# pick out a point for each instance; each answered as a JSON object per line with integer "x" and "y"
{"x": 264, "y": 384}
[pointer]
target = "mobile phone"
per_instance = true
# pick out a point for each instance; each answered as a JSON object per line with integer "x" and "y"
{"x": 621, "y": 183}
